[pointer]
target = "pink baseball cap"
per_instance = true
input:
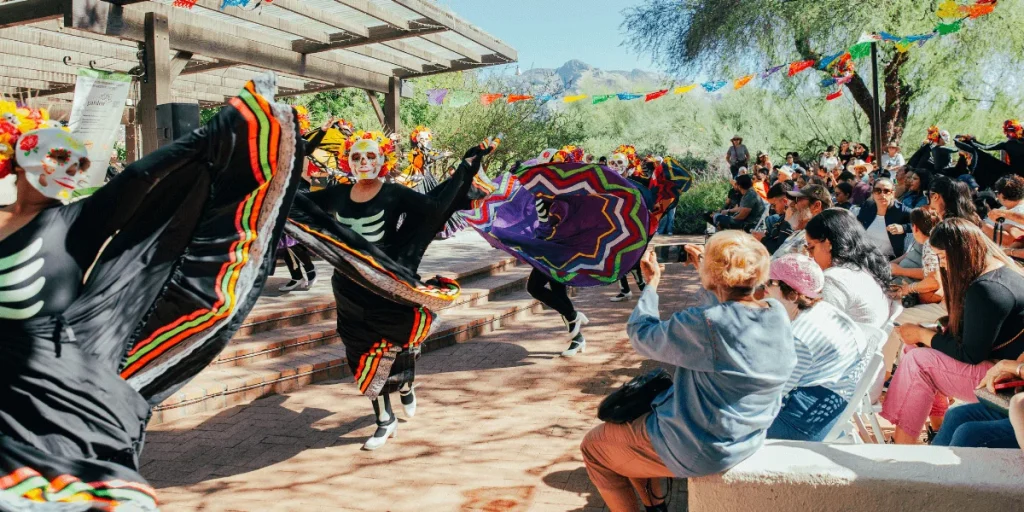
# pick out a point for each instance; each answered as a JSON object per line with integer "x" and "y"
{"x": 800, "y": 272}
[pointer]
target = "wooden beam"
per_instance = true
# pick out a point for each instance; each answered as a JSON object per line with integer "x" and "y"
{"x": 459, "y": 26}
{"x": 372, "y": 10}
{"x": 409, "y": 49}
{"x": 448, "y": 44}
{"x": 207, "y": 66}
{"x": 379, "y": 34}
{"x": 381, "y": 55}
{"x": 372, "y": 96}
{"x": 296, "y": 29}
{"x": 488, "y": 60}
{"x": 156, "y": 88}
{"x": 64, "y": 42}
{"x": 178, "y": 63}
{"x": 30, "y": 11}
{"x": 299, "y": 7}
{"x": 392, "y": 103}
{"x": 189, "y": 32}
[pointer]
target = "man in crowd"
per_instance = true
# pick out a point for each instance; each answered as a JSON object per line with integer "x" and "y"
{"x": 749, "y": 211}
{"x": 787, "y": 235}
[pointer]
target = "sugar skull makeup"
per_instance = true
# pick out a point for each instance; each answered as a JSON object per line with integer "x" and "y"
{"x": 424, "y": 138}
{"x": 365, "y": 159}
{"x": 55, "y": 163}
{"x": 619, "y": 163}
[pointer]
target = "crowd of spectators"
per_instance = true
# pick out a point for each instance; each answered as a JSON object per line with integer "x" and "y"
{"x": 815, "y": 270}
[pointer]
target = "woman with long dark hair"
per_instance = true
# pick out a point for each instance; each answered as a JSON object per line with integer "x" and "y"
{"x": 845, "y": 152}
{"x": 856, "y": 272}
{"x": 918, "y": 183}
{"x": 985, "y": 299}
{"x": 952, "y": 199}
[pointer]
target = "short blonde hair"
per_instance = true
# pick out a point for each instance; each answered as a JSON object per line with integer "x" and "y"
{"x": 735, "y": 262}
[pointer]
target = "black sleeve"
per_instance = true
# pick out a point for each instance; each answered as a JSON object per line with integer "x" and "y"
{"x": 781, "y": 232}
{"x": 97, "y": 217}
{"x": 986, "y": 307}
{"x": 999, "y": 146}
{"x": 313, "y": 140}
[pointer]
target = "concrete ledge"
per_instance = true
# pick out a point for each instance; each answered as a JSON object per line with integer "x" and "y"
{"x": 791, "y": 476}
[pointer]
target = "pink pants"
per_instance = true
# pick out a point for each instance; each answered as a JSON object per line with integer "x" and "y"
{"x": 621, "y": 462}
{"x": 923, "y": 380}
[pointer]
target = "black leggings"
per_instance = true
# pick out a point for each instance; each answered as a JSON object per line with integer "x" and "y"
{"x": 556, "y": 298}
{"x": 637, "y": 276}
{"x": 295, "y": 255}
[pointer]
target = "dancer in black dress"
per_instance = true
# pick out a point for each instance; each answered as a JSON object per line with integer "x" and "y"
{"x": 112, "y": 303}
{"x": 393, "y": 225}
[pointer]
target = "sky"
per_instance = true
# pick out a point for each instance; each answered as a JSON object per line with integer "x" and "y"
{"x": 548, "y": 33}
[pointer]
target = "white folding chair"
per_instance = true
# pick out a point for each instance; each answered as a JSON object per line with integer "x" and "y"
{"x": 849, "y": 420}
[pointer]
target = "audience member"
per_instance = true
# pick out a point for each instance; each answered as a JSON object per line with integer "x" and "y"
{"x": 731, "y": 355}
{"x": 856, "y": 272}
{"x": 843, "y": 193}
{"x": 886, "y": 220}
{"x": 760, "y": 183}
{"x": 749, "y": 210}
{"x": 979, "y": 426}
{"x": 793, "y": 163}
{"x": 845, "y": 152}
{"x": 787, "y": 235}
{"x": 778, "y": 200}
{"x": 1010, "y": 193}
{"x": 831, "y": 352}
{"x": 916, "y": 273}
{"x": 737, "y": 156}
{"x": 829, "y": 160}
{"x": 985, "y": 299}
{"x": 952, "y": 199}
{"x": 915, "y": 193}
{"x": 892, "y": 158}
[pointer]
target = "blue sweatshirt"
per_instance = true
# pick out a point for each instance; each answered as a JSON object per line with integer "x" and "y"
{"x": 732, "y": 363}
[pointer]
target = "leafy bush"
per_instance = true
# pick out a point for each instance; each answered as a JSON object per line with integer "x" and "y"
{"x": 705, "y": 196}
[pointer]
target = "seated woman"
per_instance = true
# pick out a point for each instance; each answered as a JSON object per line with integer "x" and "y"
{"x": 886, "y": 220}
{"x": 985, "y": 298}
{"x": 951, "y": 198}
{"x": 732, "y": 355}
{"x": 977, "y": 425}
{"x": 1010, "y": 193}
{"x": 831, "y": 352}
{"x": 856, "y": 272}
{"x": 917, "y": 183}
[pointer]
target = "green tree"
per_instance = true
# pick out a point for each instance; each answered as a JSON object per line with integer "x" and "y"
{"x": 715, "y": 36}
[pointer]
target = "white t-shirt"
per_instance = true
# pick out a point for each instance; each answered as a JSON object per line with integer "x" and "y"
{"x": 878, "y": 235}
{"x": 830, "y": 162}
{"x": 855, "y": 292}
{"x": 889, "y": 162}
{"x": 829, "y": 350}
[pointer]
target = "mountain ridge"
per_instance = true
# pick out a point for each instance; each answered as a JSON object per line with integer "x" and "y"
{"x": 576, "y": 76}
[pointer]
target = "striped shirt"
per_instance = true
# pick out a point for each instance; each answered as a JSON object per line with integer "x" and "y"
{"x": 830, "y": 348}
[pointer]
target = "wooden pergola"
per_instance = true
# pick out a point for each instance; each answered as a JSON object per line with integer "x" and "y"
{"x": 204, "y": 54}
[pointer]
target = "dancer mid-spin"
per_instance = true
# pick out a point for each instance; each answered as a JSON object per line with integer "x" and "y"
{"x": 625, "y": 162}
{"x": 113, "y": 302}
{"x": 392, "y": 226}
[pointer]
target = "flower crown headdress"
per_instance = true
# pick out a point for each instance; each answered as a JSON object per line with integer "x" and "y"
{"x": 387, "y": 149}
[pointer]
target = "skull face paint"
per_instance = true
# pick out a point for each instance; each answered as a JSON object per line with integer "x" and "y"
{"x": 365, "y": 160}
{"x": 424, "y": 138}
{"x": 619, "y": 163}
{"x": 55, "y": 163}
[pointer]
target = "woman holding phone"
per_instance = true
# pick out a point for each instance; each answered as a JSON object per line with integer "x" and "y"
{"x": 985, "y": 299}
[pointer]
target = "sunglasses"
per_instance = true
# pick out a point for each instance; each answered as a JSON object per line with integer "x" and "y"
{"x": 883, "y": 190}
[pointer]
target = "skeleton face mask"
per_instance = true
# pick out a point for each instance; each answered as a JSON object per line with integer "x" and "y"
{"x": 619, "y": 163}
{"x": 55, "y": 163}
{"x": 365, "y": 159}
{"x": 424, "y": 138}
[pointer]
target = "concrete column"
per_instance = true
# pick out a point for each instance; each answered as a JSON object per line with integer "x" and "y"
{"x": 156, "y": 88}
{"x": 392, "y": 101}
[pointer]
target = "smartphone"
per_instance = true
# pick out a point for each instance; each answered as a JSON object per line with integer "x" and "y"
{"x": 931, "y": 327}
{"x": 1010, "y": 384}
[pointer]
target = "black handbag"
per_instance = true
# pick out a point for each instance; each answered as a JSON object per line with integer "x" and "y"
{"x": 634, "y": 398}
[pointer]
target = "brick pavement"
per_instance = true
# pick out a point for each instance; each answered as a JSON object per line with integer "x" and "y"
{"x": 498, "y": 428}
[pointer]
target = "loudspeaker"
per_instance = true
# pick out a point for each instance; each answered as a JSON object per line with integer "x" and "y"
{"x": 174, "y": 120}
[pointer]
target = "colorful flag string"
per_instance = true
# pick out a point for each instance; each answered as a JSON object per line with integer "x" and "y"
{"x": 840, "y": 65}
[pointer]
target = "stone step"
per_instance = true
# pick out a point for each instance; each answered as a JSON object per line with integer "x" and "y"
{"x": 321, "y": 357}
{"x": 246, "y": 348}
{"x": 277, "y": 309}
